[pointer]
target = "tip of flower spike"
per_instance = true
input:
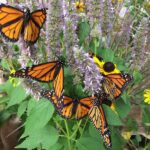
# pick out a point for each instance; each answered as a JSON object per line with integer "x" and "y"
{"x": 126, "y": 135}
{"x": 80, "y": 6}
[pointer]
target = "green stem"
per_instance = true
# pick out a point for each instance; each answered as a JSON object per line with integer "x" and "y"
{"x": 60, "y": 127}
{"x": 84, "y": 126}
{"x": 76, "y": 129}
{"x": 68, "y": 134}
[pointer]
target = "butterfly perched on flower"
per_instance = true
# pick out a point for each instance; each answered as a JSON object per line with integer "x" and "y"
{"x": 45, "y": 72}
{"x": 14, "y": 22}
{"x": 68, "y": 107}
{"x": 114, "y": 81}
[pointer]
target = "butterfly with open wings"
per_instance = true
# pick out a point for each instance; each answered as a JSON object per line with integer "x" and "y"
{"x": 14, "y": 22}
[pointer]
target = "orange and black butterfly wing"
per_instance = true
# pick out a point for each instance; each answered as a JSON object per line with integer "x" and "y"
{"x": 68, "y": 107}
{"x": 58, "y": 82}
{"x": 63, "y": 106}
{"x": 42, "y": 72}
{"x": 32, "y": 29}
{"x": 114, "y": 84}
{"x": 39, "y": 17}
{"x": 104, "y": 129}
{"x": 83, "y": 107}
{"x": 50, "y": 96}
{"x": 97, "y": 116}
{"x": 11, "y": 22}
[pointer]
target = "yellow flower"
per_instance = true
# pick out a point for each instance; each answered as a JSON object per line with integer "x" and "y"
{"x": 148, "y": 5}
{"x": 80, "y": 6}
{"x": 106, "y": 67}
{"x": 126, "y": 135}
{"x": 147, "y": 96}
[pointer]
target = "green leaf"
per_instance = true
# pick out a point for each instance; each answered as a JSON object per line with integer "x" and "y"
{"x": 106, "y": 54}
{"x": 6, "y": 87}
{"x": 39, "y": 116}
{"x": 17, "y": 95}
{"x": 111, "y": 116}
{"x": 117, "y": 140}
{"x": 4, "y": 63}
{"x": 4, "y": 99}
{"x": 44, "y": 137}
{"x": 93, "y": 132}
{"x": 122, "y": 108}
{"x": 84, "y": 29}
{"x": 125, "y": 97}
{"x": 137, "y": 76}
{"x": 57, "y": 146}
{"x": 22, "y": 108}
{"x": 89, "y": 143}
{"x": 31, "y": 104}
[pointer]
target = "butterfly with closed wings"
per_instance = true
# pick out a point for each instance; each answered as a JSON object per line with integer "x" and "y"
{"x": 14, "y": 22}
{"x": 114, "y": 81}
{"x": 98, "y": 118}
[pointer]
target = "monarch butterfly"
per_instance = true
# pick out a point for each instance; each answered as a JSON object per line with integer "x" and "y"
{"x": 45, "y": 72}
{"x": 14, "y": 22}
{"x": 97, "y": 116}
{"x": 114, "y": 81}
{"x": 67, "y": 106}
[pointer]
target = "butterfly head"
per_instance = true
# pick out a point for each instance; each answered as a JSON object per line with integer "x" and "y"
{"x": 62, "y": 60}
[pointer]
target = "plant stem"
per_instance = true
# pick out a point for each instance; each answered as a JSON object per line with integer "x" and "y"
{"x": 76, "y": 129}
{"x": 68, "y": 134}
{"x": 84, "y": 126}
{"x": 60, "y": 127}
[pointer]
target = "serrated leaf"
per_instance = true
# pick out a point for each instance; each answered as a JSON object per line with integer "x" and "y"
{"x": 39, "y": 116}
{"x": 22, "y": 108}
{"x": 46, "y": 137}
{"x": 111, "y": 116}
{"x": 17, "y": 95}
